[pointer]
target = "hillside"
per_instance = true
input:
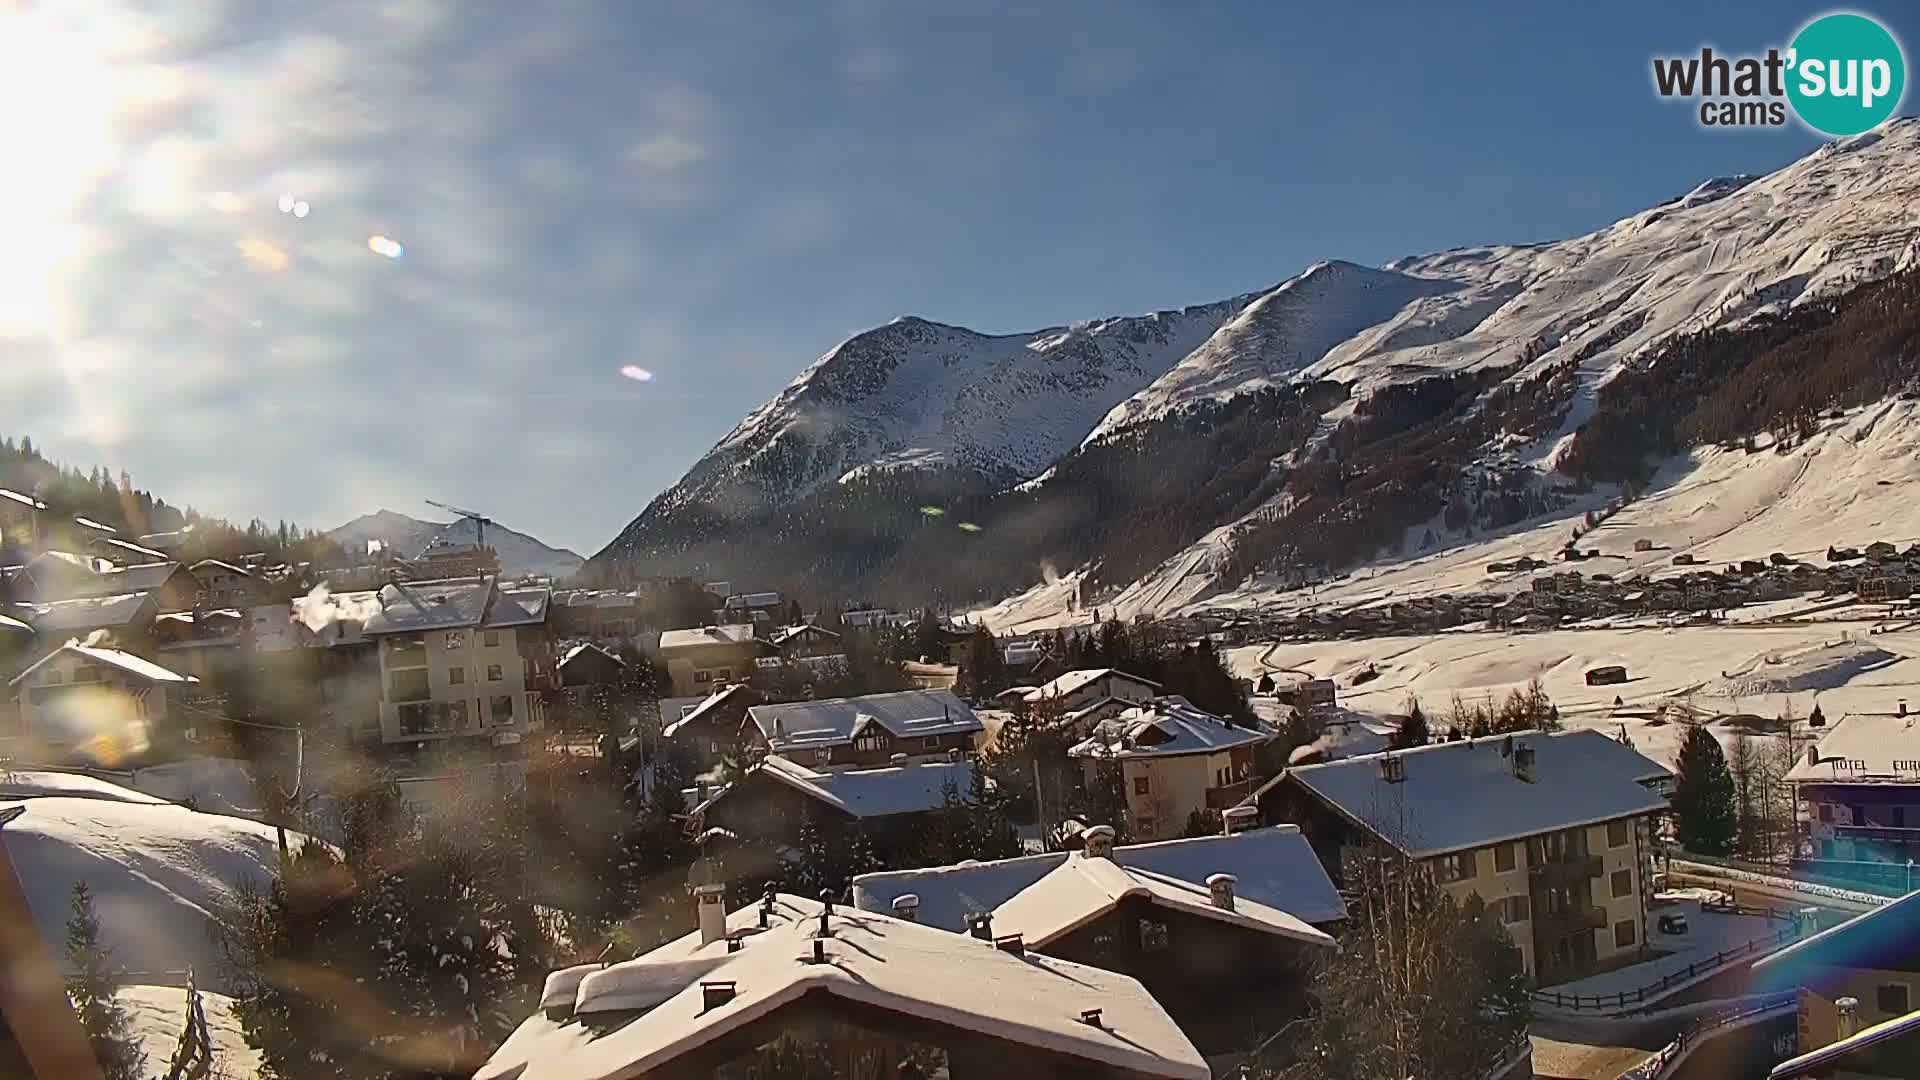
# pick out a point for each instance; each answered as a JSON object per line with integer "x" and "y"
{"x": 407, "y": 537}
{"x": 1346, "y": 415}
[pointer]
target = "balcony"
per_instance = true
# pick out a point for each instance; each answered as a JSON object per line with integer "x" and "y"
{"x": 1223, "y": 798}
{"x": 1566, "y": 871}
{"x": 1551, "y": 926}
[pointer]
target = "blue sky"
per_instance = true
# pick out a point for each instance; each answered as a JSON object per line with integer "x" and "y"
{"x": 720, "y": 191}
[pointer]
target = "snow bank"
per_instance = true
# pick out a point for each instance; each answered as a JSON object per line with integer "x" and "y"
{"x": 160, "y": 876}
{"x": 30, "y": 784}
{"x": 158, "y": 1014}
{"x": 1828, "y": 667}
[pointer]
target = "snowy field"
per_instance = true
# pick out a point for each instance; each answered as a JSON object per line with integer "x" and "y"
{"x": 159, "y": 1012}
{"x": 160, "y": 874}
{"x": 1765, "y": 671}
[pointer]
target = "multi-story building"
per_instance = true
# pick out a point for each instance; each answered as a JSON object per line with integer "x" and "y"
{"x": 461, "y": 659}
{"x": 1552, "y": 830}
{"x": 97, "y": 705}
{"x": 224, "y": 585}
{"x": 1175, "y": 759}
{"x": 706, "y": 657}
{"x": 1861, "y": 787}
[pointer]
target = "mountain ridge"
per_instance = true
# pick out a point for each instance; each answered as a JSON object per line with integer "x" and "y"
{"x": 1544, "y": 324}
{"x": 407, "y": 536}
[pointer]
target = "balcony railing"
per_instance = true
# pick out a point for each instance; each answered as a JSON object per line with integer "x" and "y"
{"x": 1557, "y": 924}
{"x": 1577, "y": 868}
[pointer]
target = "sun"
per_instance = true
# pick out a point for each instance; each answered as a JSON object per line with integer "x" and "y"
{"x": 56, "y": 124}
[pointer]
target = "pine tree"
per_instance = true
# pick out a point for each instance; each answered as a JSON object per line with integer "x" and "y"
{"x": 1413, "y": 731}
{"x": 1703, "y": 797}
{"x": 91, "y": 985}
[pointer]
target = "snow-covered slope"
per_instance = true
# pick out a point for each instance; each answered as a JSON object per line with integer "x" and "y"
{"x": 916, "y": 393}
{"x": 407, "y": 537}
{"x": 160, "y": 874}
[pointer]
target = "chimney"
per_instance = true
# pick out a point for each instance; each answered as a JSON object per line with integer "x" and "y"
{"x": 981, "y": 923}
{"x": 954, "y": 755}
{"x": 819, "y": 950}
{"x": 1393, "y": 768}
{"x": 1849, "y": 1017}
{"x": 1221, "y": 887}
{"x": 1239, "y": 818}
{"x": 907, "y": 906}
{"x": 1813, "y": 756}
{"x": 717, "y": 993}
{"x": 1011, "y": 943}
{"x": 699, "y": 792}
{"x": 1902, "y": 708}
{"x": 1523, "y": 763}
{"x": 1090, "y": 1017}
{"x": 710, "y": 902}
{"x": 1098, "y": 842}
{"x": 897, "y": 760}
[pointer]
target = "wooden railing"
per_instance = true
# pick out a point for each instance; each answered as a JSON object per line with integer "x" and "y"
{"x": 1659, "y": 1066}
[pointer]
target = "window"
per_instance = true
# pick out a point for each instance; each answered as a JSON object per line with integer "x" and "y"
{"x": 1503, "y": 860}
{"x": 1144, "y": 826}
{"x": 1459, "y": 866}
{"x": 456, "y": 716}
{"x": 870, "y": 743}
{"x": 723, "y": 673}
{"x": 1826, "y": 812}
{"x": 1622, "y": 883}
{"x": 1616, "y": 834}
{"x": 1623, "y": 933}
{"x": 702, "y": 676}
{"x": 85, "y": 673}
{"x": 931, "y": 742}
{"x": 456, "y": 675}
{"x": 494, "y": 674}
{"x": 1153, "y": 935}
{"x": 53, "y": 677}
{"x": 502, "y": 709}
{"x": 1140, "y": 785}
{"x": 1899, "y": 817}
{"x": 491, "y": 639}
{"x": 1891, "y": 999}
{"x": 1515, "y": 909}
{"x": 407, "y": 684}
{"x": 416, "y": 719}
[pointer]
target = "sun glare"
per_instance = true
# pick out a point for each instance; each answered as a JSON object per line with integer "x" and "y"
{"x": 56, "y": 116}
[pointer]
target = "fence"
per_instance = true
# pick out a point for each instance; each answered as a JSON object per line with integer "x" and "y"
{"x": 1656, "y": 1067}
{"x": 1653, "y": 991}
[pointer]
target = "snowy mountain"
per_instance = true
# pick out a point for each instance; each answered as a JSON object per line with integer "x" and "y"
{"x": 407, "y": 537}
{"x": 1492, "y": 356}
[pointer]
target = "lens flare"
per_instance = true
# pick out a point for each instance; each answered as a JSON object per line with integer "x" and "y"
{"x": 381, "y": 245}
{"x": 933, "y": 511}
{"x": 637, "y": 373}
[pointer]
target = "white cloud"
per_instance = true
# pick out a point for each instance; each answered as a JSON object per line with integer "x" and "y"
{"x": 667, "y": 152}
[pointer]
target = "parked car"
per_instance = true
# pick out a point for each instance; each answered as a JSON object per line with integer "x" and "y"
{"x": 1672, "y": 923}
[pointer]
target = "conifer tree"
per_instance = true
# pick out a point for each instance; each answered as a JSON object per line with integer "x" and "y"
{"x": 1703, "y": 797}
{"x": 91, "y": 984}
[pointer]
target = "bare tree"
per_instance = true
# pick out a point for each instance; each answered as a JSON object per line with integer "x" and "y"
{"x": 1744, "y": 762}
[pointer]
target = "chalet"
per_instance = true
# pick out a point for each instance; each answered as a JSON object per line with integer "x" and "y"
{"x": 127, "y": 620}
{"x": 588, "y": 664}
{"x": 224, "y": 585}
{"x": 807, "y": 642}
{"x": 1222, "y": 964}
{"x": 172, "y": 585}
{"x": 598, "y": 615}
{"x": 98, "y": 705}
{"x": 763, "y": 609}
{"x": 461, "y": 659}
{"x": 1552, "y": 830}
{"x": 1861, "y": 787}
{"x": 1859, "y": 977}
{"x": 776, "y": 796}
{"x": 704, "y": 657}
{"x": 713, "y": 727}
{"x": 872, "y": 992}
{"x": 1076, "y": 690}
{"x": 931, "y": 676}
{"x": 1880, "y": 551}
{"x": 1606, "y": 675}
{"x": 867, "y": 730}
{"x": 1175, "y": 760}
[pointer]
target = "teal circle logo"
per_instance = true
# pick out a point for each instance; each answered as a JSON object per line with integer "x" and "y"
{"x": 1846, "y": 74}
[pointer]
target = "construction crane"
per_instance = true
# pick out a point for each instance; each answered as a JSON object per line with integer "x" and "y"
{"x": 480, "y": 521}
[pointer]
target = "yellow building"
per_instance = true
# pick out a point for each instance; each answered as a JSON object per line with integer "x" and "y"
{"x": 1552, "y": 830}
{"x": 1174, "y": 759}
{"x": 1858, "y": 975}
{"x": 461, "y": 659}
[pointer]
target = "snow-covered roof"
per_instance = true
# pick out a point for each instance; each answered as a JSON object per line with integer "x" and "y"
{"x": 129, "y": 546}
{"x": 87, "y": 613}
{"x": 713, "y": 701}
{"x": 1874, "y": 748}
{"x": 415, "y": 606}
{"x": 532, "y": 605}
{"x": 114, "y": 658}
{"x": 870, "y": 793}
{"x": 1275, "y": 866}
{"x": 1083, "y": 889}
{"x": 706, "y": 635}
{"x": 1165, "y": 727}
{"x": 216, "y": 564}
{"x": 1459, "y": 795}
{"x": 1830, "y": 1059}
{"x": 1074, "y": 681}
{"x": 9, "y": 623}
{"x": 758, "y": 599}
{"x": 580, "y": 650}
{"x": 928, "y": 977}
{"x": 23, "y": 500}
{"x": 788, "y": 633}
{"x": 806, "y": 725}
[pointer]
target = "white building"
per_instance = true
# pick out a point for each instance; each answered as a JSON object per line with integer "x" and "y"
{"x": 101, "y": 704}
{"x": 1174, "y": 759}
{"x": 461, "y": 659}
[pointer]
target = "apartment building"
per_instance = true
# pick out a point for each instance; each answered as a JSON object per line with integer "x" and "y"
{"x": 1861, "y": 787}
{"x": 224, "y": 585}
{"x": 1175, "y": 759}
{"x": 461, "y": 659}
{"x": 867, "y": 730}
{"x": 1552, "y": 830}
